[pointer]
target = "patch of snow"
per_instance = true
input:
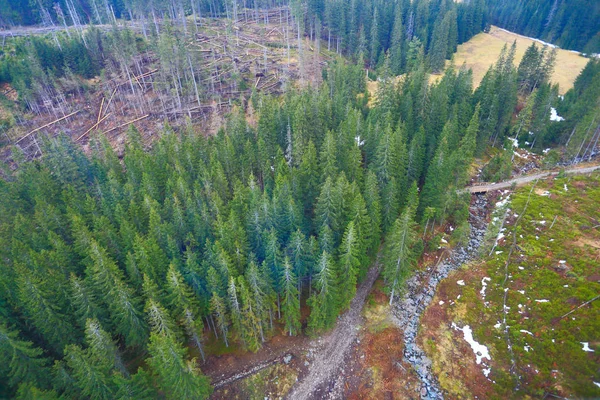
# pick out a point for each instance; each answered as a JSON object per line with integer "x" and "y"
{"x": 546, "y": 193}
{"x": 481, "y": 351}
{"x": 502, "y": 202}
{"x": 565, "y": 285}
{"x": 527, "y": 348}
{"x": 515, "y": 142}
{"x": 597, "y": 384}
{"x": 486, "y": 372}
{"x": 554, "y": 115}
{"x": 358, "y": 141}
{"x": 458, "y": 297}
{"x": 530, "y": 38}
{"x": 521, "y": 291}
{"x": 444, "y": 240}
{"x": 441, "y": 303}
{"x": 545, "y": 151}
{"x": 460, "y": 283}
{"x": 566, "y": 188}
{"x": 527, "y": 332}
{"x": 499, "y": 252}
{"x": 521, "y": 268}
{"x": 542, "y": 301}
{"x": 562, "y": 262}
{"x": 500, "y": 236}
{"x": 498, "y": 325}
{"x": 586, "y": 347}
{"x": 484, "y": 282}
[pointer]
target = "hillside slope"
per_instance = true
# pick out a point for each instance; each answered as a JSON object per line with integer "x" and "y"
{"x": 525, "y": 304}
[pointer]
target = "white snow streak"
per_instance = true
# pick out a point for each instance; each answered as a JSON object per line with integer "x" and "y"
{"x": 586, "y": 347}
{"x": 480, "y": 350}
{"x": 554, "y": 115}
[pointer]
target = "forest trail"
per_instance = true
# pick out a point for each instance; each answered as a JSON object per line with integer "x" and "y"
{"x": 522, "y": 180}
{"x": 321, "y": 381}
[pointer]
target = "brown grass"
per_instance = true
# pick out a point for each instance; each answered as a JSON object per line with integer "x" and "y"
{"x": 483, "y": 50}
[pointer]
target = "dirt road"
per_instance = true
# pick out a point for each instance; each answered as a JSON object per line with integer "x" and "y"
{"x": 527, "y": 179}
{"x": 321, "y": 381}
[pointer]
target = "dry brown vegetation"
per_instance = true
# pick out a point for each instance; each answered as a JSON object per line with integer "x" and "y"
{"x": 483, "y": 50}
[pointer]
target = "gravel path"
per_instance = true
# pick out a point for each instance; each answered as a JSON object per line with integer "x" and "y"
{"x": 420, "y": 289}
{"x": 329, "y": 353}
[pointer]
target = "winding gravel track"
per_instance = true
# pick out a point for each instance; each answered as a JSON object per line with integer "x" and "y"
{"x": 321, "y": 380}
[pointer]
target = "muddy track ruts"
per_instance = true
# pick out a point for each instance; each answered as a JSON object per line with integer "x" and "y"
{"x": 321, "y": 380}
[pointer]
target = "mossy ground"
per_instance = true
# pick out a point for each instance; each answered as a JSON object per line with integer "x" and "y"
{"x": 554, "y": 268}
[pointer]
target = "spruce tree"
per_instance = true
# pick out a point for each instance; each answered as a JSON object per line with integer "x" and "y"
{"x": 21, "y": 361}
{"x": 349, "y": 264}
{"x": 176, "y": 376}
{"x": 219, "y": 309}
{"x": 290, "y": 306}
{"x": 324, "y": 300}
{"x": 182, "y": 301}
{"x": 400, "y": 253}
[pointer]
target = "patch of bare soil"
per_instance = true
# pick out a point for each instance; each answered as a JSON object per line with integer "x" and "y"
{"x": 377, "y": 369}
{"x": 325, "y": 377}
{"x": 222, "y": 369}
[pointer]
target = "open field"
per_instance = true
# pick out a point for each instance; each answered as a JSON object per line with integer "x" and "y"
{"x": 483, "y": 50}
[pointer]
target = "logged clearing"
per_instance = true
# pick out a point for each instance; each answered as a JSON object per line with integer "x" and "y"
{"x": 484, "y": 48}
{"x": 526, "y": 319}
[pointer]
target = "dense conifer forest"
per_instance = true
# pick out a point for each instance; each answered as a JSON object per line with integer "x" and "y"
{"x": 114, "y": 270}
{"x": 573, "y": 25}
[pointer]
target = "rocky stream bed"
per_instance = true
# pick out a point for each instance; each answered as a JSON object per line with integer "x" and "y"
{"x": 420, "y": 289}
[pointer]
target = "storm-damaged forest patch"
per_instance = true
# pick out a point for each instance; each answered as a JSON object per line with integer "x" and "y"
{"x": 525, "y": 304}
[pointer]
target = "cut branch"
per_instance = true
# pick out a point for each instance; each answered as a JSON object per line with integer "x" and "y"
{"x": 126, "y": 123}
{"x": 45, "y": 126}
{"x": 94, "y": 126}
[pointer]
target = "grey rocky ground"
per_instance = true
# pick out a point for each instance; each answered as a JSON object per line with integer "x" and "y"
{"x": 420, "y": 289}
